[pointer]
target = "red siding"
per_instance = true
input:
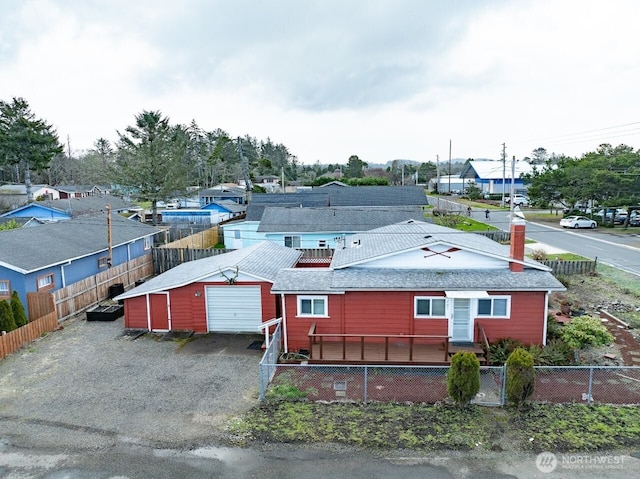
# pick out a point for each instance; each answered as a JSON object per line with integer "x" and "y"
{"x": 391, "y": 313}
{"x": 135, "y": 313}
{"x": 526, "y": 322}
{"x": 188, "y": 310}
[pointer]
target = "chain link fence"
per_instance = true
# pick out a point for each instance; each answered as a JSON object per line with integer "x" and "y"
{"x": 428, "y": 384}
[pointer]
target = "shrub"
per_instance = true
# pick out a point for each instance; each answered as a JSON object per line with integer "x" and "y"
{"x": 502, "y": 349}
{"x": 556, "y": 353}
{"x": 584, "y": 331}
{"x": 18, "y": 310}
{"x": 539, "y": 254}
{"x": 554, "y": 328}
{"x": 463, "y": 378}
{"x": 7, "y": 323}
{"x": 520, "y": 377}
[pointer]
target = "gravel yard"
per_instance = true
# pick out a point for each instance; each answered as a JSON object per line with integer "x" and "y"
{"x": 89, "y": 385}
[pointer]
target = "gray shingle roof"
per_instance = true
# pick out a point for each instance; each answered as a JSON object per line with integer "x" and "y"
{"x": 345, "y": 274}
{"x": 263, "y": 260}
{"x": 31, "y": 249}
{"x": 335, "y": 219}
{"x": 410, "y": 235}
{"x": 354, "y": 279}
{"x": 89, "y": 205}
{"x": 374, "y": 195}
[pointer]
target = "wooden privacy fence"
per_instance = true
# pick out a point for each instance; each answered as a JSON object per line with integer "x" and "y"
{"x": 201, "y": 240}
{"x": 571, "y": 267}
{"x": 14, "y": 340}
{"x": 166, "y": 258}
{"x": 88, "y": 292}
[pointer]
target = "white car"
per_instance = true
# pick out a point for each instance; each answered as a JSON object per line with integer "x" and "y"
{"x": 518, "y": 200}
{"x": 577, "y": 222}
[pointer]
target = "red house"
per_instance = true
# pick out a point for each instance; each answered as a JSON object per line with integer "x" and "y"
{"x": 415, "y": 291}
{"x": 405, "y": 293}
{"x": 227, "y": 293}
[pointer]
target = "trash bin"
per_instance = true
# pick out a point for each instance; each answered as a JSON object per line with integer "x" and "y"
{"x": 116, "y": 289}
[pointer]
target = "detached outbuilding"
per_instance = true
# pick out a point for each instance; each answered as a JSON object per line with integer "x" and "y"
{"x": 227, "y": 293}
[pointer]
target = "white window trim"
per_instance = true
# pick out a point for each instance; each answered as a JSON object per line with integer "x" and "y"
{"x": 147, "y": 243}
{"x": 6, "y": 289}
{"x": 312, "y": 298}
{"x": 492, "y": 298}
{"x": 292, "y": 237}
{"x": 429, "y": 316}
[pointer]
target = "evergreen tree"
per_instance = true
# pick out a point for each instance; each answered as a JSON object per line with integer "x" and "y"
{"x": 25, "y": 141}
{"x": 520, "y": 376}
{"x": 17, "y": 308}
{"x": 463, "y": 378}
{"x": 7, "y": 323}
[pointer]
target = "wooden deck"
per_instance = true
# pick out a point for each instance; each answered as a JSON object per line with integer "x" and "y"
{"x": 378, "y": 353}
{"x": 389, "y": 349}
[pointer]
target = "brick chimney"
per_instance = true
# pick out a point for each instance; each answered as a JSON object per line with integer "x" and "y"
{"x": 517, "y": 244}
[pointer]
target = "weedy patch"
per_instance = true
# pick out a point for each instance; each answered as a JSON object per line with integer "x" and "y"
{"x": 433, "y": 427}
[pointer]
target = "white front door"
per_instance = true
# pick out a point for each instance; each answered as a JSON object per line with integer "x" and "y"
{"x": 460, "y": 323}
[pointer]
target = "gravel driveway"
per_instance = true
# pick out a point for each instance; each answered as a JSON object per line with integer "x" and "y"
{"x": 90, "y": 386}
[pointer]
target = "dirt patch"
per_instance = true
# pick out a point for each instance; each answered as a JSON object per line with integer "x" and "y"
{"x": 590, "y": 295}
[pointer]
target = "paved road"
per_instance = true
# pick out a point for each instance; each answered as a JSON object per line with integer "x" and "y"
{"x": 621, "y": 251}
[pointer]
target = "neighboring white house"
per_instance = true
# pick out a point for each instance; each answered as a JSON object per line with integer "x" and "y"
{"x": 448, "y": 184}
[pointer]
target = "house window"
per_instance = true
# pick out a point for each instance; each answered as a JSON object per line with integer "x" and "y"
{"x": 236, "y": 234}
{"x": 103, "y": 262}
{"x": 45, "y": 282}
{"x": 312, "y": 306}
{"x": 5, "y": 288}
{"x": 426, "y": 307}
{"x": 147, "y": 242}
{"x": 495, "y": 307}
{"x": 292, "y": 241}
{"x": 322, "y": 243}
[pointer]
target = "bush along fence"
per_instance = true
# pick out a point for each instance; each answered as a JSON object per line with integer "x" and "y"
{"x": 588, "y": 385}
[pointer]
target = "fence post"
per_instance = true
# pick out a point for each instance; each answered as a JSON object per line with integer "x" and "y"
{"x": 503, "y": 398}
{"x": 366, "y": 380}
{"x": 261, "y": 380}
{"x": 590, "y": 386}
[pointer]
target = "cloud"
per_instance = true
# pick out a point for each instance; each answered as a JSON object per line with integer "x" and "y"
{"x": 378, "y": 78}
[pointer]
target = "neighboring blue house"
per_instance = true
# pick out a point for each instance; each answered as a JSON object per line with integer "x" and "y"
{"x": 317, "y": 214}
{"x": 39, "y": 211}
{"x": 493, "y": 176}
{"x": 315, "y": 228}
{"x": 55, "y": 255}
{"x": 65, "y": 209}
{"x": 236, "y": 194}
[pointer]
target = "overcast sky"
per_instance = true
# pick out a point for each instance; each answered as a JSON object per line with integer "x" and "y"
{"x": 384, "y": 80}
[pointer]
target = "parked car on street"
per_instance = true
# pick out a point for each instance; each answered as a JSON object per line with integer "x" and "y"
{"x": 518, "y": 200}
{"x": 577, "y": 222}
{"x": 620, "y": 215}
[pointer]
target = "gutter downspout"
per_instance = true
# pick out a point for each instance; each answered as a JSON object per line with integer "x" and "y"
{"x": 148, "y": 311}
{"x": 284, "y": 323}
{"x": 546, "y": 315}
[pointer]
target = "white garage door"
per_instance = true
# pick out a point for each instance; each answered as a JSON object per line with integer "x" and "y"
{"x": 234, "y": 309}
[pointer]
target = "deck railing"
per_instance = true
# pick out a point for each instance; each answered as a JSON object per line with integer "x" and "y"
{"x": 482, "y": 337}
{"x": 344, "y": 339}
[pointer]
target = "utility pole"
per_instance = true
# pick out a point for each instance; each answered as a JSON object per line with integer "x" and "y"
{"x": 245, "y": 170}
{"x": 512, "y": 188}
{"x": 449, "y": 166}
{"x": 504, "y": 164}
{"x": 109, "y": 241}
